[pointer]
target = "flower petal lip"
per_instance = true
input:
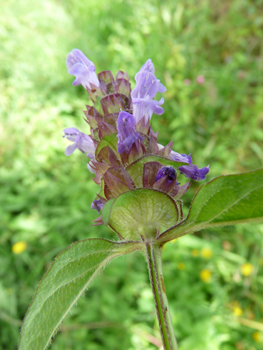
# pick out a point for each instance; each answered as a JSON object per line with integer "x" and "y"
{"x": 146, "y": 107}
{"x": 149, "y": 67}
{"x": 82, "y": 68}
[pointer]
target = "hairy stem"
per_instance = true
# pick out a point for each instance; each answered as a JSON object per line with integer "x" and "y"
{"x": 154, "y": 260}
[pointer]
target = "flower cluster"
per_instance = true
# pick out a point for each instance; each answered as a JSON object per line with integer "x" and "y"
{"x": 123, "y": 149}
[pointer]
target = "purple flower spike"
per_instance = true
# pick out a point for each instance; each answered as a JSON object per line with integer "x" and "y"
{"x": 81, "y": 141}
{"x": 193, "y": 172}
{"x": 166, "y": 171}
{"x": 127, "y": 134}
{"x": 83, "y": 69}
{"x": 97, "y": 204}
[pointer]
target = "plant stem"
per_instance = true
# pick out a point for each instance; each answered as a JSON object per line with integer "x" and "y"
{"x": 154, "y": 260}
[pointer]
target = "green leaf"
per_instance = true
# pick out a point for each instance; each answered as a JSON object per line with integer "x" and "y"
{"x": 135, "y": 169}
{"x": 142, "y": 212}
{"x": 68, "y": 277}
{"x": 226, "y": 200}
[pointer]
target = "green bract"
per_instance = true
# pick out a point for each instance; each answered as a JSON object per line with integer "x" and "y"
{"x": 141, "y": 214}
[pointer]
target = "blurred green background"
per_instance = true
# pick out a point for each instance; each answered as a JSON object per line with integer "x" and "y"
{"x": 214, "y": 278}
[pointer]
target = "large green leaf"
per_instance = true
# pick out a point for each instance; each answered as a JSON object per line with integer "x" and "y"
{"x": 226, "y": 200}
{"x": 68, "y": 277}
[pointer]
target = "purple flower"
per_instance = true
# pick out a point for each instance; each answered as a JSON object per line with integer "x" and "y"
{"x": 81, "y": 141}
{"x": 127, "y": 134}
{"x": 97, "y": 204}
{"x": 168, "y": 171}
{"x": 144, "y": 92}
{"x": 193, "y": 172}
{"x": 83, "y": 69}
{"x": 190, "y": 170}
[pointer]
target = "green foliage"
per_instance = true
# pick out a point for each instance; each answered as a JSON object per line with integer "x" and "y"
{"x": 226, "y": 200}
{"x": 45, "y": 197}
{"x": 67, "y": 279}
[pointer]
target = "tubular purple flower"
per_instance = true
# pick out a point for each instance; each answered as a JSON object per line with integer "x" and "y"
{"x": 190, "y": 170}
{"x": 82, "y": 68}
{"x": 166, "y": 171}
{"x": 193, "y": 172}
{"x": 144, "y": 92}
{"x": 127, "y": 134}
{"x": 81, "y": 141}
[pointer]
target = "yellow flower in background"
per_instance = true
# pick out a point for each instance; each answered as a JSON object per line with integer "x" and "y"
{"x": 206, "y": 275}
{"x": 236, "y": 308}
{"x": 237, "y": 311}
{"x": 181, "y": 266}
{"x": 257, "y": 337}
{"x": 246, "y": 269}
{"x": 195, "y": 252}
{"x": 19, "y": 247}
{"x": 206, "y": 253}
